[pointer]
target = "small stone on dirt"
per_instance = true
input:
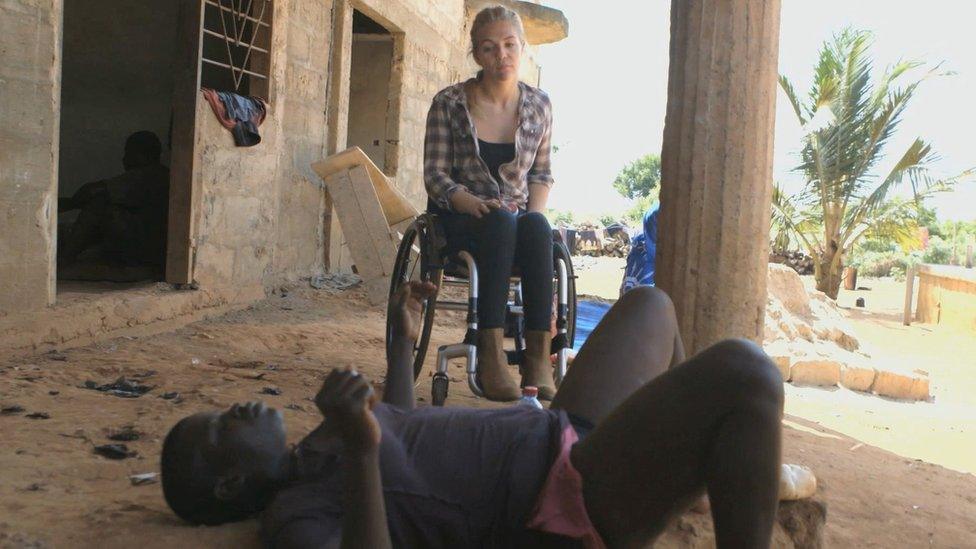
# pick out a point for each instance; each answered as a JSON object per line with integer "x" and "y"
{"x": 39, "y": 415}
{"x": 274, "y": 391}
{"x": 144, "y": 478}
{"x": 121, "y": 387}
{"x": 125, "y": 434}
{"x": 115, "y": 451}
{"x": 11, "y": 410}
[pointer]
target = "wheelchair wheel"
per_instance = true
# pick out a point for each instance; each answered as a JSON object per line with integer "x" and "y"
{"x": 438, "y": 390}
{"x": 560, "y": 251}
{"x": 411, "y": 265}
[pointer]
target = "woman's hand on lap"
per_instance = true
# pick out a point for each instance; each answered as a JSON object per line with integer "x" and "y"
{"x": 467, "y": 203}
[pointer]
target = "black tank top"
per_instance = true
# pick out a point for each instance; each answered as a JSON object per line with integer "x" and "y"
{"x": 496, "y": 154}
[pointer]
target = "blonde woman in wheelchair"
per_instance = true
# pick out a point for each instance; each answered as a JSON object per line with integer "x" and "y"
{"x": 487, "y": 172}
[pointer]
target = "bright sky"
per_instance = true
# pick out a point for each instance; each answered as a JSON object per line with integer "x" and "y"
{"x": 608, "y": 84}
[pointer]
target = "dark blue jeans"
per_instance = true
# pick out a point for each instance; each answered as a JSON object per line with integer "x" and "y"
{"x": 499, "y": 241}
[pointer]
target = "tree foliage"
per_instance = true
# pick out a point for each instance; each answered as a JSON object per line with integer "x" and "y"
{"x": 848, "y": 120}
{"x": 639, "y": 178}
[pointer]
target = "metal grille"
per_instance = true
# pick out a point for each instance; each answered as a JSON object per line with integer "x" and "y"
{"x": 237, "y": 38}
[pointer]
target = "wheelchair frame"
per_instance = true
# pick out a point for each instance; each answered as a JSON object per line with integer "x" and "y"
{"x": 424, "y": 245}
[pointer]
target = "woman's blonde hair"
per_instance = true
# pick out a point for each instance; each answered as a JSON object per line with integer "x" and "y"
{"x": 492, "y": 14}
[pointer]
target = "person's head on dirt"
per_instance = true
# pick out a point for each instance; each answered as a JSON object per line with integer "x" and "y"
{"x": 142, "y": 149}
{"x": 222, "y": 467}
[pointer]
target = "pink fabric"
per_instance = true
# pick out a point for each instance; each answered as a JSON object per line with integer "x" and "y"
{"x": 560, "y": 508}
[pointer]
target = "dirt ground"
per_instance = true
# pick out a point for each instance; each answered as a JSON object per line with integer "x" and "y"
{"x": 56, "y": 492}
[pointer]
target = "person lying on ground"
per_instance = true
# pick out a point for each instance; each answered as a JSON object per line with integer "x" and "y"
{"x": 634, "y": 436}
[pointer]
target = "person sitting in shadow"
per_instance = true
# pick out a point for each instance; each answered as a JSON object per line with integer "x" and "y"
{"x": 635, "y": 435}
{"x": 122, "y": 220}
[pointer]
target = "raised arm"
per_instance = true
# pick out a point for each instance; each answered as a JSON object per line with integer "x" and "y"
{"x": 345, "y": 401}
{"x": 404, "y": 315}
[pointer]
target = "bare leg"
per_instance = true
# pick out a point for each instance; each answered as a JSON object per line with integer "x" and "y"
{"x": 635, "y": 342}
{"x": 712, "y": 422}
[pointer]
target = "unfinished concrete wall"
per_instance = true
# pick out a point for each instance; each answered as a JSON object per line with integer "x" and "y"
{"x": 117, "y": 79}
{"x": 30, "y": 73}
{"x": 261, "y": 207}
{"x": 369, "y": 95}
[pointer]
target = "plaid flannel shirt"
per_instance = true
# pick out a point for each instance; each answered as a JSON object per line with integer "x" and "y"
{"x": 452, "y": 159}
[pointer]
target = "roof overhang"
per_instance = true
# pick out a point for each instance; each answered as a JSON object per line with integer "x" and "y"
{"x": 543, "y": 25}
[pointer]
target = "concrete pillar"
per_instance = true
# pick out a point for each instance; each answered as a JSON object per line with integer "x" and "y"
{"x": 717, "y": 167}
{"x": 30, "y": 94}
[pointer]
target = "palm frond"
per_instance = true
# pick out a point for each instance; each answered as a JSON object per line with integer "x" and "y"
{"x": 787, "y": 87}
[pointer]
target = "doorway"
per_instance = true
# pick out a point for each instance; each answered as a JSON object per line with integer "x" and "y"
{"x": 115, "y": 141}
{"x": 373, "y": 97}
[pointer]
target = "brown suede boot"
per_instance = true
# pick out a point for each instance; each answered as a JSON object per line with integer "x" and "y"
{"x": 493, "y": 366}
{"x": 536, "y": 365}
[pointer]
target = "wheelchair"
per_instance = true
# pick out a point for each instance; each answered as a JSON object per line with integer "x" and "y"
{"x": 423, "y": 255}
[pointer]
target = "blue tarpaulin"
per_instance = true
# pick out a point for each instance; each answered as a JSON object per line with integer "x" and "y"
{"x": 588, "y": 315}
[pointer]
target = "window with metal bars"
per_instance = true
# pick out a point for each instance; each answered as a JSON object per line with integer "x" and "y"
{"x": 236, "y": 53}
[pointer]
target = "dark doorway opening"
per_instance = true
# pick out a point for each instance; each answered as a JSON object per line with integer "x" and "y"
{"x": 115, "y": 139}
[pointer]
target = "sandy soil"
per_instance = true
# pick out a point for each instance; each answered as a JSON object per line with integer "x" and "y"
{"x": 55, "y": 492}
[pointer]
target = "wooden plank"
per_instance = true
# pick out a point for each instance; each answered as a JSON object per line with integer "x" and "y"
{"x": 365, "y": 230}
{"x": 184, "y": 193}
{"x": 395, "y": 206}
{"x": 382, "y": 237}
{"x": 909, "y": 289}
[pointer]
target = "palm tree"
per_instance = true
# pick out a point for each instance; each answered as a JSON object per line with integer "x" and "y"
{"x": 848, "y": 120}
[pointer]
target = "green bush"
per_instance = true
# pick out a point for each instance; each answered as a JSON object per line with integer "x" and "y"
{"x": 881, "y": 264}
{"x": 939, "y": 252}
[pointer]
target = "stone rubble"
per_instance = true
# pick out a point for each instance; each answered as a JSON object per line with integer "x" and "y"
{"x": 812, "y": 343}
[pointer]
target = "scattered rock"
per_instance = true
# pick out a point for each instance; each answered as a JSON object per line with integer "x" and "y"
{"x": 121, "y": 387}
{"x": 170, "y": 395}
{"x": 126, "y": 433}
{"x": 913, "y": 386}
{"x": 815, "y": 372}
{"x": 334, "y": 282}
{"x": 803, "y": 521}
{"x": 11, "y": 410}
{"x": 115, "y": 451}
{"x": 54, "y": 355}
{"x": 785, "y": 285}
{"x": 54, "y": 393}
{"x": 144, "y": 478}
{"x": 274, "y": 391}
{"x": 38, "y": 415}
{"x": 796, "y": 482}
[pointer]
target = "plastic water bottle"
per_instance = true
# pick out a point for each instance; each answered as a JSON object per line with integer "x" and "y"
{"x": 530, "y": 397}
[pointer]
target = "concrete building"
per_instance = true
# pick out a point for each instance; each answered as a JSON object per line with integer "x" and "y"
{"x": 79, "y": 76}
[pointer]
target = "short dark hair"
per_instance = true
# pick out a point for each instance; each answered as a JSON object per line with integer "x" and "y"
{"x": 189, "y": 482}
{"x": 146, "y": 143}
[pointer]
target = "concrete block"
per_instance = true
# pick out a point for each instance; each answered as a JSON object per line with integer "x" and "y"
{"x": 906, "y": 386}
{"x": 857, "y": 377}
{"x": 815, "y": 372}
{"x": 783, "y": 362}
